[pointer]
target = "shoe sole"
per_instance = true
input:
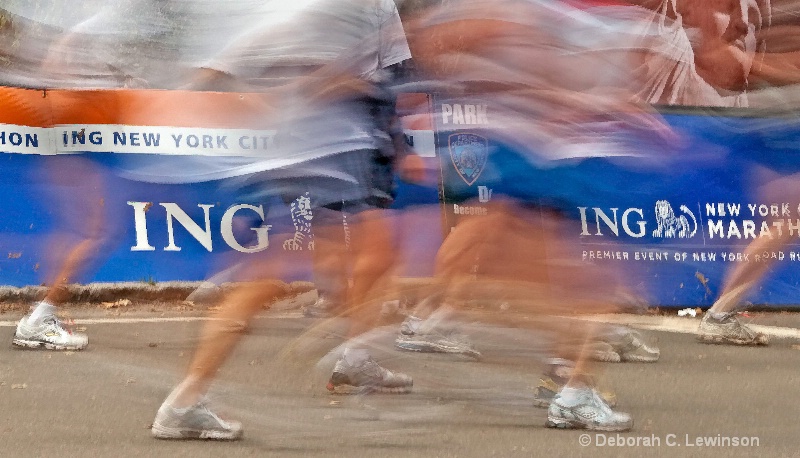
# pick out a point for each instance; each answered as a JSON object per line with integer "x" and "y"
{"x": 559, "y": 423}
{"x": 351, "y": 390}
{"x": 543, "y": 403}
{"x": 617, "y": 358}
{"x": 338, "y": 384}
{"x": 640, "y": 358}
{"x": 606, "y": 357}
{"x": 427, "y": 347}
{"x": 39, "y": 345}
{"x": 166, "y": 433}
{"x": 760, "y": 340}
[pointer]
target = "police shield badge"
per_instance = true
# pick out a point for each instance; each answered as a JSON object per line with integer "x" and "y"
{"x": 468, "y": 153}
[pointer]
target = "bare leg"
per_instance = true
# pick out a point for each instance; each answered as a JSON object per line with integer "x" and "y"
{"x": 544, "y": 284}
{"x": 373, "y": 257}
{"x": 720, "y": 325}
{"x": 220, "y": 336}
{"x": 79, "y": 203}
{"x": 744, "y": 275}
{"x": 81, "y": 207}
{"x": 331, "y": 256}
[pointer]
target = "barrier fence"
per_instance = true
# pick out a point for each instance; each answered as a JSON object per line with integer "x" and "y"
{"x": 674, "y": 228}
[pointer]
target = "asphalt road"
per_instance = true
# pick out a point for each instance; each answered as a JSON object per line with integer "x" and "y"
{"x": 101, "y": 402}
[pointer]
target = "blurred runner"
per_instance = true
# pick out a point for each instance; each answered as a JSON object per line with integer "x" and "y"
{"x": 119, "y": 46}
{"x": 322, "y": 81}
{"x": 332, "y": 257}
{"x": 543, "y": 136}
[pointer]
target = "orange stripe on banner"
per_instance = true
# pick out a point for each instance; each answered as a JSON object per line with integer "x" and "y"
{"x": 38, "y": 108}
{"x": 198, "y": 109}
{"x": 46, "y": 108}
{"x": 24, "y": 107}
{"x": 84, "y": 107}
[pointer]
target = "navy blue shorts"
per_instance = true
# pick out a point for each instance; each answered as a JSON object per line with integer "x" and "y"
{"x": 351, "y": 181}
{"x": 566, "y": 185}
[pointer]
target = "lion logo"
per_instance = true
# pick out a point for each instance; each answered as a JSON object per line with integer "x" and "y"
{"x": 302, "y": 215}
{"x": 671, "y": 226}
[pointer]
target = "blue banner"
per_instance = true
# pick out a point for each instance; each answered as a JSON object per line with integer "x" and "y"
{"x": 673, "y": 220}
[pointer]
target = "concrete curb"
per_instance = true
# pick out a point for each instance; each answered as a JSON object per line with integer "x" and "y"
{"x": 93, "y": 293}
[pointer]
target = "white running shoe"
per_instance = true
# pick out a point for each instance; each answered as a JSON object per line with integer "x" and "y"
{"x": 436, "y": 343}
{"x": 626, "y": 345}
{"x": 49, "y": 334}
{"x": 368, "y": 377}
{"x": 590, "y": 412}
{"x": 196, "y": 422}
{"x": 550, "y": 385}
{"x": 727, "y": 329}
{"x": 323, "y": 308}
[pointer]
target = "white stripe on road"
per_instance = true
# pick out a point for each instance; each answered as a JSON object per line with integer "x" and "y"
{"x": 653, "y": 323}
{"x": 180, "y": 319}
{"x": 136, "y": 320}
{"x": 685, "y": 325}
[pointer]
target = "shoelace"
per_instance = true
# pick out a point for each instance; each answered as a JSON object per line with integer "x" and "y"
{"x": 732, "y": 317}
{"x": 203, "y": 405}
{"x": 742, "y": 327}
{"x": 370, "y": 365}
{"x": 58, "y": 324}
{"x": 601, "y": 403}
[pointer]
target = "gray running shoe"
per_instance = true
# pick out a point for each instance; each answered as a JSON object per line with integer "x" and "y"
{"x": 728, "y": 330}
{"x": 604, "y": 352}
{"x": 630, "y": 346}
{"x": 591, "y": 412}
{"x": 369, "y": 377}
{"x": 436, "y": 343}
{"x": 322, "y": 308}
{"x": 49, "y": 334}
{"x": 407, "y": 328}
{"x": 197, "y": 422}
{"x": 432, "y": 341}
{"x": 549, "y": 386}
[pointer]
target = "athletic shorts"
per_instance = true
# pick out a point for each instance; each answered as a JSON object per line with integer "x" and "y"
{"x": 567, "y": 185}
{"x": 352, "y": 182}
